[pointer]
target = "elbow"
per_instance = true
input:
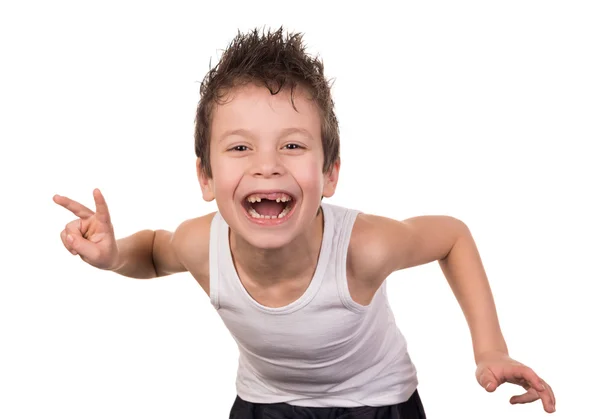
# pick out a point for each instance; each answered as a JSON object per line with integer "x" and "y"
{"x": 460, "y": 231}
{"x": 153, "y": 253}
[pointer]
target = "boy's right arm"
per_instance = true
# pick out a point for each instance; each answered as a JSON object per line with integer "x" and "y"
{"x": 148, "y": 254}
{"x": 145, "y": 254}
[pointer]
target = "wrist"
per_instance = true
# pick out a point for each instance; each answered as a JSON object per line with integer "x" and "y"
{"x": 491, "y": 353}
{"x": 118, "y": 261}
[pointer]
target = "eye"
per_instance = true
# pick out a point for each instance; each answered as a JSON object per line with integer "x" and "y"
{"x": 293, "y": 146}
{"x": 239, "y": 148}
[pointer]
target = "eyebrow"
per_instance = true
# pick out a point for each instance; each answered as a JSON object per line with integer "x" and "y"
{"x": 284, "y": 133}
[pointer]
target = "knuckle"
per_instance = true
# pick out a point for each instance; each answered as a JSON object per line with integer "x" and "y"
{"x": 74, "y": 225}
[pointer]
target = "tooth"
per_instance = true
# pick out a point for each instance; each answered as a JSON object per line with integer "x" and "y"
{"x": 257, "y": 199}
{"x": 285, "y": 212}
{"x": 278, "y": 199}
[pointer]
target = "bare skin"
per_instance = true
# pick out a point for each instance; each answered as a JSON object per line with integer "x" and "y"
{"x": 91, "y": 236}
{"x": 263, "y": 144}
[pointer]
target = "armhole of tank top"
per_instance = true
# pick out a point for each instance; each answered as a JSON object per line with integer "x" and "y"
{"x": 213, "y": 259}
{"x": 346, "y": 227}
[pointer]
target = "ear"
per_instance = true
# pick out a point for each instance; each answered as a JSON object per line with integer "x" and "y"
{"x": 206, "y": 183}
{"x": 331, "y": 179}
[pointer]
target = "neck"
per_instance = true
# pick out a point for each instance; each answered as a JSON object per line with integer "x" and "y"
{"x": 269, "y": 266}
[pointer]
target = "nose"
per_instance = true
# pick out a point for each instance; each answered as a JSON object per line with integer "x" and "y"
{"x": 267, "y": 164}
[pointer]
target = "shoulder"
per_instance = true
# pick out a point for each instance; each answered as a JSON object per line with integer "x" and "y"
{"x": 367, "y": 248}
{"x": 191, "y": 241}
{"x": 381, "y": 245}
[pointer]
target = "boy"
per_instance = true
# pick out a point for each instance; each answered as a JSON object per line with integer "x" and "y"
{"x": 300, "y": 284}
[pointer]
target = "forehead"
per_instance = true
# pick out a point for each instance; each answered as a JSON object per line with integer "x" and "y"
{"x": 254, "y": 108}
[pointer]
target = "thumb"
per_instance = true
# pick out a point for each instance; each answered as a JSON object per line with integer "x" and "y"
{"x": 83, "y": 247}
{"x": 488, "y": 381}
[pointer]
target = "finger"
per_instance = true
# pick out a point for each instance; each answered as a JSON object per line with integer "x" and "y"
{"x": 527, "y": 374}
{"x": 488, "y": 380}
{"x": 75, "y": 207}
{"x": 73, "y": 230}
{"x": 551, "y": 392}
{"x": 84, "y": 248}
{"x": 101, "y": 207}
{"x": 528, "y": 397}
{"x": 538, "y": 384}
{"x": 66, "y": 243}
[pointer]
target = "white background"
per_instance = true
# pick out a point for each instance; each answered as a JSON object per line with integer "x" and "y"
{"x": 487, "y": 111}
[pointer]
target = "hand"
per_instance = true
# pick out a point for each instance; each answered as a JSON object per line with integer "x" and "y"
{"x": 90, "y": 236}
{"x": 497, "y": 368}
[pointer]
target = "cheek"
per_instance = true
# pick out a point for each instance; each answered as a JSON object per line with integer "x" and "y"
{"x": 228, "y": 178}
{"x": 309, "y": 175}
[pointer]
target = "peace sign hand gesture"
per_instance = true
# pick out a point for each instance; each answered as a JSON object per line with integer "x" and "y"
{"x": 91, "y": 236}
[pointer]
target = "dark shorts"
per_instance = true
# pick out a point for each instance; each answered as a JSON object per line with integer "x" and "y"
{"x": 410, "y": 409}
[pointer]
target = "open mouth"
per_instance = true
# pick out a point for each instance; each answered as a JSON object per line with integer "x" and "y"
{"x": 269, "y": 205}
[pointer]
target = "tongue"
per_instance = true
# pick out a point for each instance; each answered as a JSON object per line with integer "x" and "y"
{"x": 266, "y": 207}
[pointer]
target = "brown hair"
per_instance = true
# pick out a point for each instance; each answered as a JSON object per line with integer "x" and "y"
{"x": 277, "y": 62}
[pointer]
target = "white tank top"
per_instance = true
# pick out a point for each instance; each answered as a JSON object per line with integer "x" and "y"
{"x": 322, "y": 350}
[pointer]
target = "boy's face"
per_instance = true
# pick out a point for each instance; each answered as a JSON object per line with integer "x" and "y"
{"x": 262, "y": 148}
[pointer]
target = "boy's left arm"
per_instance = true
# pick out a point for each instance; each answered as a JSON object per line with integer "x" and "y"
{"x": 420, "y": 240}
